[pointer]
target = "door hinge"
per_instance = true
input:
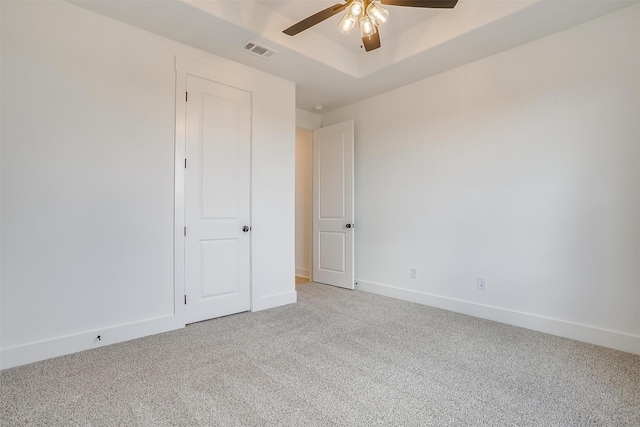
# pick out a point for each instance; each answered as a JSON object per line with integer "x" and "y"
{"x": 186, "y": 96}
{"x": 185, "y": 300}
{"x": 185, "y": 232}
{"x": 185, "y": 163}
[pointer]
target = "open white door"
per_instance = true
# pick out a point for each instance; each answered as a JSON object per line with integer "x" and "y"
{"x": 217, "y": 194}
{"x": 333, "y": 205}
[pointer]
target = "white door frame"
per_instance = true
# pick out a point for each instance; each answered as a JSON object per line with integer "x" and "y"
{"x": 309, "y": 122}
{"x": 185, "y": 66}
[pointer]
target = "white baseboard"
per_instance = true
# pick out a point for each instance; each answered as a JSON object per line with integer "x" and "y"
{"x": 34, "y": 352}
{"x": 589, "y": 334}
{"x": 271, "y": 301}
{"x": 41, "y": 350}
{"x": 303, "y": 272}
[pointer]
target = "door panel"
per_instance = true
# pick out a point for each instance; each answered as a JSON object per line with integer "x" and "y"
{"x": 220, "y": 168}
{"x": 217, "y": 251}
{"x": 333, "y": 205}
{"x": 220, "y": 267}
{"x": 331, "y": 171}
{"x": 332, "y": 252}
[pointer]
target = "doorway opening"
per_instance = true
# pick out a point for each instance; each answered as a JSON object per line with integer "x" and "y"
{"x": 325, "y": 205}
{"x": 304, "y": 205}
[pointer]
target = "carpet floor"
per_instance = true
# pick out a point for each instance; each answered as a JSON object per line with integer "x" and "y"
{"x": 337, "y": 357}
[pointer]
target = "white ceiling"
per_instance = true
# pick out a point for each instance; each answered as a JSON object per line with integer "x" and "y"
{"x": 332, "y": 69}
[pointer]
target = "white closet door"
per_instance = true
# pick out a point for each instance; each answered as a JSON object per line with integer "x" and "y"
{"x": 217, "y": 197}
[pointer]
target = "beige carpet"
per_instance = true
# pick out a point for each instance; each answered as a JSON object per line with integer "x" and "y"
{"x": 337, "y": 357}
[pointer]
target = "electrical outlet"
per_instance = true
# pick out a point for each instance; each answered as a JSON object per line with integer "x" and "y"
{"x": 482, "y": 283}
{"x": 414, "y": 273}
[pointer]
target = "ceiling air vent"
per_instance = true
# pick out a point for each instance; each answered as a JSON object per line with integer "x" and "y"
{"x": 259, "y": 50}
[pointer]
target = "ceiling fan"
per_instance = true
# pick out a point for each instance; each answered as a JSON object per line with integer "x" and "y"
{"x": 368, "y": 13}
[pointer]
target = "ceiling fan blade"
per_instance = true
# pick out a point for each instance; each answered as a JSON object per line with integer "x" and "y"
{"x": 315, "y": 19}
{"x": 437, "y": 4}
{"x": 372, "y": 42}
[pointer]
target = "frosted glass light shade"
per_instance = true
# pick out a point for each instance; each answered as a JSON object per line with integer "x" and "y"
{"x": 356, "y": 8}
{"x": 347, "y": 23}
{"x": 367, "y": 26}
{"x": 378, "y": 13}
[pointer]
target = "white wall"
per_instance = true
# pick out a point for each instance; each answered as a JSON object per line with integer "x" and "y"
{"x": 522, "y": 168}
{"x": 307, "y": 120}
{"x": 304, "y": 199}
{"x": 88, "y": 118}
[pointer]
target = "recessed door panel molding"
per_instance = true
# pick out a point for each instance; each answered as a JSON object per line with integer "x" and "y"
{"x": 221, "y": 141}
{"x": 220, "y": 268}
{"x": 217, "y": 197}
{"x": 332, "y": 180}
{"x": 332, "y": 252}
{"x": 333, "y": 231}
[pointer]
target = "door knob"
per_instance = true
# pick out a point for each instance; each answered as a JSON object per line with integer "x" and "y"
{"x": 350, "y": 226}
{"x": 246, "y": 228}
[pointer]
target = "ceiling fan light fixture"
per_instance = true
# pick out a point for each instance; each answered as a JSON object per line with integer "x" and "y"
{"x": 368, "y": 13}
{"x": 378, "y": 13}
{"x": 367, "y": 26}
{"x": 347, "y": 23}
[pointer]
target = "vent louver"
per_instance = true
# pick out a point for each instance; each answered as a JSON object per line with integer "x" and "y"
{"x": 259, "y": 50}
